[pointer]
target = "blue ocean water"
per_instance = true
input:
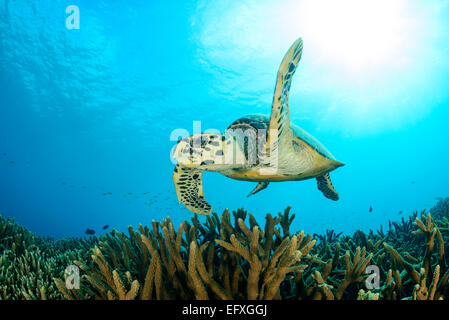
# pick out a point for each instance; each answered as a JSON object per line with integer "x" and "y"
{"x": 86, "y": 114}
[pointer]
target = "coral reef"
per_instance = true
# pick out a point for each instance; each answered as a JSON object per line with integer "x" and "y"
{"x": 233, "y": 257}
{"x": 28, "y": 263}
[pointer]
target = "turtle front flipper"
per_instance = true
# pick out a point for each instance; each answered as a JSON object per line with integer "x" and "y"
{"x": 280, "y": 134}
{"x": 260, "y": 186}
{"x": 189, "y": 189}
{"x": 326, "y": 187}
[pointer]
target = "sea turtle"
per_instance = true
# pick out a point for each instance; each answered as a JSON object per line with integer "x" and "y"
{"x": 255, "y": 148}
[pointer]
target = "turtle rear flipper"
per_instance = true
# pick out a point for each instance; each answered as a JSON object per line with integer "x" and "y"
{"x": 326, "y": 187}
{"x": 189, "y": 189}
{"x": 260, "y": 186}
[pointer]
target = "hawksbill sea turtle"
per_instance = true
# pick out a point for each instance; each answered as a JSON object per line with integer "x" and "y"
{"x": 255, "y": 148}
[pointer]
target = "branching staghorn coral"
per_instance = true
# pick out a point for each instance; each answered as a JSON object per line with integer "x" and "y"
{"x": 230, "y": 257}
{"x": 268, "y": 269}
{"x": 218, "y": 260}
{"x": 28, "y": 264}
{"x": 422, "y": 271}
{"x": 224, "y": 259}
{"x": 241, "y": 263}
{"x": 441, "y": 209}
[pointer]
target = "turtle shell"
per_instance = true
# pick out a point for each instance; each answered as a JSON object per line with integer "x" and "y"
{"x": 257, "y": 121}
{"x": 261, "y": 121}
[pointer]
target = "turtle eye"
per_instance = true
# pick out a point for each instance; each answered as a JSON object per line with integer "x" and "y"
{"x": 186, "y": 150}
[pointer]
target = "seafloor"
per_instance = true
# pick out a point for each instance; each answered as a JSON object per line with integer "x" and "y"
{"x": 232, "y": 257}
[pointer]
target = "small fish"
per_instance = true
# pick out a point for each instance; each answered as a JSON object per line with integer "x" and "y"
{"x": 144, "y": 193}
{"x": 105, "y": 226}
{"x": 370, "y": 208}
{"x": 83, "y": 187}
{"x": 400, "y": 212}
{"x": 107, "y": 193}
{"x": 90, "y": 231}
{"x": 413, "y": 182}
{"x": 11, "y": 162}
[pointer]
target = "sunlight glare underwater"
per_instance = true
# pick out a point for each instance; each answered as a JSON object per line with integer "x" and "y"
{"x": 362, "y": 67}
{"x": 358, "y": 33}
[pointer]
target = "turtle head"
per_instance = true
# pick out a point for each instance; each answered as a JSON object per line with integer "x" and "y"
{"x": 203, "y": 151}
{"x": 211, "y": 152}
